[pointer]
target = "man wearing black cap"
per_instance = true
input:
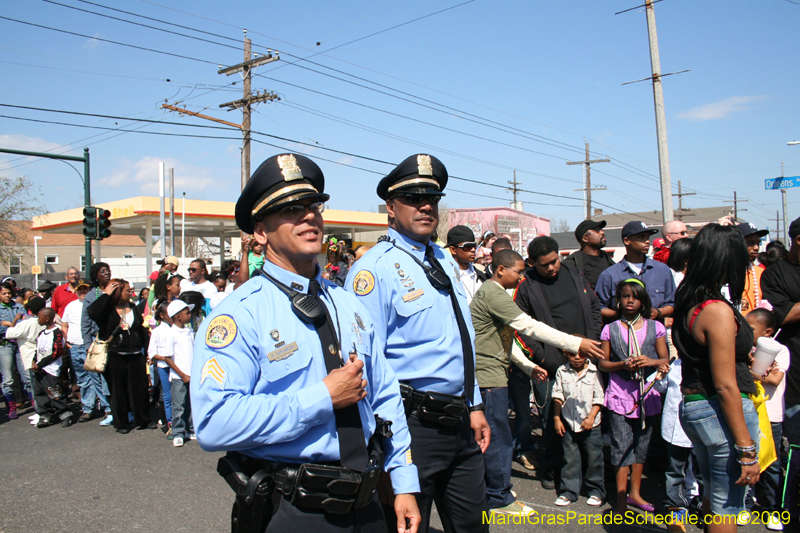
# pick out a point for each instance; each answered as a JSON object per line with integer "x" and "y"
{"x": 413, "y": 292}
{"x": 657, "y": 277}
{"x": 462, "y": 246}
{"x": 781, "y": 284}
{"x": 289, "y": 377}
{"x": 591, "y": 259}
{"x": 752, "y": 283}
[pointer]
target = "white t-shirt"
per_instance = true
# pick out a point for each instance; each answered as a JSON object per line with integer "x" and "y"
{"x": 180, "y": 347}
{"x": 470, "y": 281}
{"x": 775, "y": 403}
{"x": 44, "y": 348}
{"x": 72, "y": 318}
{"x": 207, "y": 288}
{"x": 158, "y": 342}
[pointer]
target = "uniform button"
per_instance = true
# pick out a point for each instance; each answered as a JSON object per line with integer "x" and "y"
{"x": 417, "y": 306}
{"x": 288, "y": 366}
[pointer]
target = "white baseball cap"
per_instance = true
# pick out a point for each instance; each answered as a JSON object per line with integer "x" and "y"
{"x": 176, "y": 306}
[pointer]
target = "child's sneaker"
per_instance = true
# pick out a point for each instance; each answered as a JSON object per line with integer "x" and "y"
{"x": 107, "y": 421}
{"x": 177, "y": 442}
{"x": 34, "y": 419}
{"x": 562, "y": 501}
{"x": 774, "y": 523}
{"x": 594, "y": 501}
{"x": 192, "y": 436}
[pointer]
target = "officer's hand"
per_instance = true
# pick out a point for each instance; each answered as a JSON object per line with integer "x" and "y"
{"x": 592, "y": 349}
{"x": 477, "y": 421}
{"x": 345, "y": 384}
{"x": 405, "y": 507}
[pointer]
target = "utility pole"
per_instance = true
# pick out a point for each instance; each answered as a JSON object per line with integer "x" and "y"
{"x": 587, "y": 191}
{"x": 514, "y": 189}
{"x": 777, "y": 220}
{"x": 680, "y": 196}
{"x": 248, "y": 98}
{"x": 736, "y": 209}
{"x": 785, "y": 225}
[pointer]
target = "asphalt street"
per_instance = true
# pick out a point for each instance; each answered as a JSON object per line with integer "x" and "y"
{"x": 88, "y": 478}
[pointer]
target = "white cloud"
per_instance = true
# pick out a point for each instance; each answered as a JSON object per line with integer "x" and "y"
{"x": 144, "y": 173}
{"x": 28, "y": 144}
{"x": 722, "y": 109}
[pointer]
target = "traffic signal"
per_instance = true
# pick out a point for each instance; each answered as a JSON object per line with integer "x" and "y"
{"x": 103, "y": 223}
{"x": 90, "y": 222}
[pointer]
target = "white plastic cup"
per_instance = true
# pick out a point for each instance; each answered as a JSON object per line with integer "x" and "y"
{"x": 767, "y": 350}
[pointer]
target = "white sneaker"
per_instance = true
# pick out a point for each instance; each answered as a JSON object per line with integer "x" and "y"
{"x": 177, "y": 442}
{"x": 594, "y": 501}
{"x": 192, "y": 436}
{"x": 743, "y": 518}
{"x": 562, "y": 501}
{"x": 515, "y": 508}
{"x": 34, "y": 419}
{"x": 774, "y": 523}
{"x": 34, "y": 415}
{"x": 107, "y": 421}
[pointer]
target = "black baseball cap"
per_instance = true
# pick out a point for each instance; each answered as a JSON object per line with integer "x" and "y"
{"x": 459, "y": 234}
{"x": 636, "y": 226}
{"x": 587, "y": 225}
{"x": 748, "y": 228}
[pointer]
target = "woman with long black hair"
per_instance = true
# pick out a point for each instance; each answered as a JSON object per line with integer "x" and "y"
{"x": 714, "y": 341}
{"x": 122, "y": 324}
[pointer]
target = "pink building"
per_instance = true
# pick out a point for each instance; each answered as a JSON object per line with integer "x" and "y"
{"x": 517, "y": 226}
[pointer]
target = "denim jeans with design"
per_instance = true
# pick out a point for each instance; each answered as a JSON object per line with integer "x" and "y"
{"x": 181, "y": 409}
{"x": 705, "y": 425}
{"x": 91, "y": 383}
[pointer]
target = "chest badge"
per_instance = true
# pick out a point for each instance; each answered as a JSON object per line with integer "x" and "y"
{"x": 360, "y": 322}
{"x": 401, "y": 273}
{"x": 411, "y": 296}
{"x": 283, "y": 352}
{"x": 397, "y": 265}
{"x": 275, "y": 334}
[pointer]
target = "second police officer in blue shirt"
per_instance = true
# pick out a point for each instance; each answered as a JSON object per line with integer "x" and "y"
{"x": 412, "y": 290}
{"x": 290, "y": 378}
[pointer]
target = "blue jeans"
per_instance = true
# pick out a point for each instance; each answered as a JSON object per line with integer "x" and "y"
{"x": 584, "y": 448}
{"x": 679, "y": 467}
{"x": 166, "y": 392}
{"x": 91, "y": 383}
{"x": 9, "y": 356}
{"x": 181, "y": 409}
{"x": 705, "y": 425}
{"x": 497, "y": 457}
{"x": 519, "y": 389}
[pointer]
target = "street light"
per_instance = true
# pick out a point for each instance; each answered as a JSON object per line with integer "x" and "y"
{"x": 36, "y": 258}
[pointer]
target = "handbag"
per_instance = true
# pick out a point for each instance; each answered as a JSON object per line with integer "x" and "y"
{"x": 97, "y": 355}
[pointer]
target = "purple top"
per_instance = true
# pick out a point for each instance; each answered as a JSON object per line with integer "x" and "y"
{"x": 622, "y": 394}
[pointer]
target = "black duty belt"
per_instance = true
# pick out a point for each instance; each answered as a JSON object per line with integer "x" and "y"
{"x": 442, "y": 409}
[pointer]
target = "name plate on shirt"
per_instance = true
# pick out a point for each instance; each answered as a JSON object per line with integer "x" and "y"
{"x": 283, "y": 352}
{"x": 411, "y": 296}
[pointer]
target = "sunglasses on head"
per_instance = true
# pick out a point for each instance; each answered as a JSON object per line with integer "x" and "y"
{"x": 467, "y": 246}
{"x": 298, "y": 210}
{"x": 417, "y": 199}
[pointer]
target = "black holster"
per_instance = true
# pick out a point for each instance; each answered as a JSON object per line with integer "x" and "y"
{"x": 256, "y": 497}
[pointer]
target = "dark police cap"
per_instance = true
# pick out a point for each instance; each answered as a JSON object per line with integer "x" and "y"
{"x": 459, "y": 234}
{"x": 418, "y": 174}
{"x": 278, "y": 181}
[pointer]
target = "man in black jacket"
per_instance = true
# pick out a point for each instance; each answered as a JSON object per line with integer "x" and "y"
{"x": 591, "y": 259}
{"x": 558, "y": 295}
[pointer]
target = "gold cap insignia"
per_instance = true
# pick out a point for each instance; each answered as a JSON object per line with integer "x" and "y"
{"x": 424, "y": 165}
{"x": 289, "y": 167}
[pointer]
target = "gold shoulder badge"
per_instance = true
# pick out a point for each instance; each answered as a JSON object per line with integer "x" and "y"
{"x": 424, "y": 165}
{"x": 212, "y": 369}
{"x": 363, "y": 283}
{"x": 221, "y": 332}
{"x": 289, "y": 167}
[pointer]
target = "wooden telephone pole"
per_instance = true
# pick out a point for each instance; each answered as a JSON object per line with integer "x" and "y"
{"x": 680, "y": 196}
{"x": 587, "y": 191}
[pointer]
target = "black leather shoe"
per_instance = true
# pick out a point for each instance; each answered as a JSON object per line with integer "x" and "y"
{"x": 124, "y": 431}
{"x": 85, "y": 417}
{"x": 67, "y": 422}
{"x": 150, "y": 425}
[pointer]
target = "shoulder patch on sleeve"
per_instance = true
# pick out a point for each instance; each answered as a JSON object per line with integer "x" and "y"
{"x": 221, "y": 332}
{"x": 363, "y": 283}
{"x": 212, "y": 369}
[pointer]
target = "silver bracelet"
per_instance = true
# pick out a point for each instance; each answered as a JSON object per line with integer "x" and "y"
{"x": 755, "y": 461}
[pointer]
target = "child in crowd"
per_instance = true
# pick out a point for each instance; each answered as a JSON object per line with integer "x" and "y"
{"x": 634, "y": 346}
{"x": 25, "y": 330}
{"x": 179, "y": 350}
{"x": 51, "y": 399}
{"x": 681, "y": 484}
{"x": 159, "y": 339}
{"x": 764, "y": 323}
{"x": 578, "y": 397}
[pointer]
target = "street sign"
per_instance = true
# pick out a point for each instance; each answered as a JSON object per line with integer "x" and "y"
{"x": 36, "y": 269}
{"x": 782, "y": 183}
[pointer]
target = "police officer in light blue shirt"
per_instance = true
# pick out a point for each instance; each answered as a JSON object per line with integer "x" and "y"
{"x": 288, "y": 372}
{"x": 413, "y": 291}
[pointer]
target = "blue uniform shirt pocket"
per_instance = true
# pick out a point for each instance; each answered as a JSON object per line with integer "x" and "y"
{"x": 411, "y": 306}
{"x": 278, "y": 363}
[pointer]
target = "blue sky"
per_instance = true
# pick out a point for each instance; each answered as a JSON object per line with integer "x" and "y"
{"x": 488, "y": 87}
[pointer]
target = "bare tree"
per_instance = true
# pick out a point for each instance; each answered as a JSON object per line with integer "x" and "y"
{"x": 443, "y": 227}
{"x": 559, "y": 225}
{"x": 19, "y": 201}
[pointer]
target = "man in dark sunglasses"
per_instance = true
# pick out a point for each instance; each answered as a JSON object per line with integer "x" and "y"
{"x": 462, "y": 246}
{"x": 413, "y": 290}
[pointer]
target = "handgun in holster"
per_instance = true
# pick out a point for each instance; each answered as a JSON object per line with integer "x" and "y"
{"x": 256, "y": 497}
{"x": 369, "y": 479}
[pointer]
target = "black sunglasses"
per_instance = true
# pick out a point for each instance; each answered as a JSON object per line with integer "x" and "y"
{"x": 192, "y": 269}
{"x": 417, "y": 199}
{"x": 467, "y": 246}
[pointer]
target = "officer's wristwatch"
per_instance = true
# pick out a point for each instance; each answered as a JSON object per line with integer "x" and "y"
{"x": 479, "y": 407}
